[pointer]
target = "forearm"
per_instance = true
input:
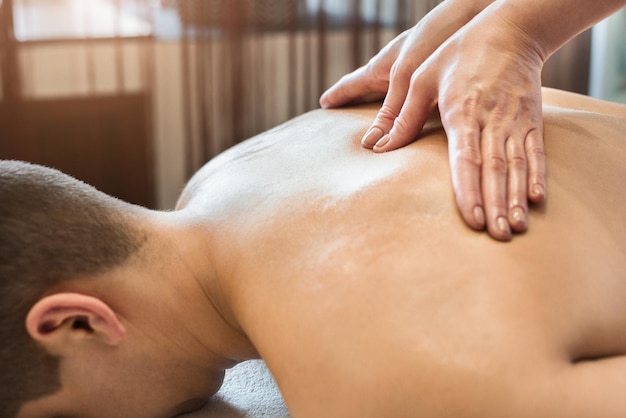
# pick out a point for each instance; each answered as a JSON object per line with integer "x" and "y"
{"x": 549, "y": 24}
{"x": 441, "y": 23}
{"x": 456, "y": 13}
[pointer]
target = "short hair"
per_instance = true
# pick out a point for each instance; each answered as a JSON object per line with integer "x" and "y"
{"x": 52, "y": 228}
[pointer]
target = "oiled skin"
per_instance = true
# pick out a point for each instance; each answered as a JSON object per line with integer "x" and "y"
{"x": 359, "y": 284}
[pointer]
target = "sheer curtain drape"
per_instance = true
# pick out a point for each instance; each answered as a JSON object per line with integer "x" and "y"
{"x": 249, "y": 65}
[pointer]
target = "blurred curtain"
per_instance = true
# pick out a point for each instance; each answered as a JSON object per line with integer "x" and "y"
{"x": 249, "y": 65}
{"x": 76, "y": 91}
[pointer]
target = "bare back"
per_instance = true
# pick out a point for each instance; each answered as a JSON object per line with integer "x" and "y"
{"x": 366, "y": 294}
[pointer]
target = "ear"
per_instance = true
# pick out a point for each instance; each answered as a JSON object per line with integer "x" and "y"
{"x": 54, "y": 319}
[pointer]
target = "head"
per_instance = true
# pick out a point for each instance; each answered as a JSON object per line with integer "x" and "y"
{"x": 66, "y": 347}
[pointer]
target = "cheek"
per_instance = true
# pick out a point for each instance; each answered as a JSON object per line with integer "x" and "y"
{"x": 116, "y": 400}
{"x": 135, "y": 410}
{"x": 189, "y": 406}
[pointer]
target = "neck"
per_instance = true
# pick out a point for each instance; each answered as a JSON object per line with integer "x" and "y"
{"x": 192, "y": 293}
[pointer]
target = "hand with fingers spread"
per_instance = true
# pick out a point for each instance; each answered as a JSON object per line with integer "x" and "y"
{"x": 487, "y": 84}
{"x": 480, "y": 62}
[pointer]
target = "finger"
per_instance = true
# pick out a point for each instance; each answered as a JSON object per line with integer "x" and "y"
{"x": 494, "y": 182}
{"x": 369, "y": 82}
{"x": 536, "y": 166}
{"x": 389, "y": 111}
{"x": 465, "y": 164}
{"x": 517, "y": 184}
{"x": 417, "y": 107}
{"x": 351, "y": 87}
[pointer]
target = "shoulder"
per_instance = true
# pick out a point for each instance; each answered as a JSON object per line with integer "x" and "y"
{"x": 308, "y": 133}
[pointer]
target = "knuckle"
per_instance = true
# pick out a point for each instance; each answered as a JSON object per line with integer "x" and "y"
{"x": 346, "y": 78}
{"x": 415, "y": 77}
{"x": 401, "y": 124}
{"x": 517, "y": 162}
{"x": 373, "y": 61}
{"x": 387, "y": 113}
{"x": 472, "y": 101}
{"x": 536, "y": 152}
{"x": 400, "y": 71}
{"x": 495, "y": 163}
{"x": 375, "y": 72}
{"x": 374, "y": 83}
{"x": 468, "y": 155}
{"x": 466, "y": 105}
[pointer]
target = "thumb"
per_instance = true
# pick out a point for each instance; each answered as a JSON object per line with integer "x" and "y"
{"x": 416, "y": 109}
{"x": 358, "y": 85}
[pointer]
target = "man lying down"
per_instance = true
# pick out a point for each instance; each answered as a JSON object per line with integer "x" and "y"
{"x": 350, "y": 273}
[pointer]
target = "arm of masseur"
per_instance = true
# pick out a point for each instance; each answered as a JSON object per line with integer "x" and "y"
{"x": 481, "y": 63}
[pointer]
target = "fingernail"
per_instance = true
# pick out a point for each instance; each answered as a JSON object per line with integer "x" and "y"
{"x": 372, "y": 137}
{"x": 479, "y": 216}
{"x": 538, "y": 190}
{"x": 517, "y": 214}
{"x": 383, "y": 141}
{"x": 503, "y": 225}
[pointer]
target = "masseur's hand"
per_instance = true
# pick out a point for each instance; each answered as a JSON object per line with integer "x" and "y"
{"x": 484, "y": 74}
{"x": 400, "y": 57}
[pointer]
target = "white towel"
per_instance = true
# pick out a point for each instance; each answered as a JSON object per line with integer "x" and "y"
{"x": 249, "y": 391}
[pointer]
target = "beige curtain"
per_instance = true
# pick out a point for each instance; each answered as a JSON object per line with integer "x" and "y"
{"x": 249, "y": 65}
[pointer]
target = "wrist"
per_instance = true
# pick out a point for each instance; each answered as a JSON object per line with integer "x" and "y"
{"x": 522, "y": 28}
{"x": 546, "y": 25}
{"x": 498, "y": 29}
